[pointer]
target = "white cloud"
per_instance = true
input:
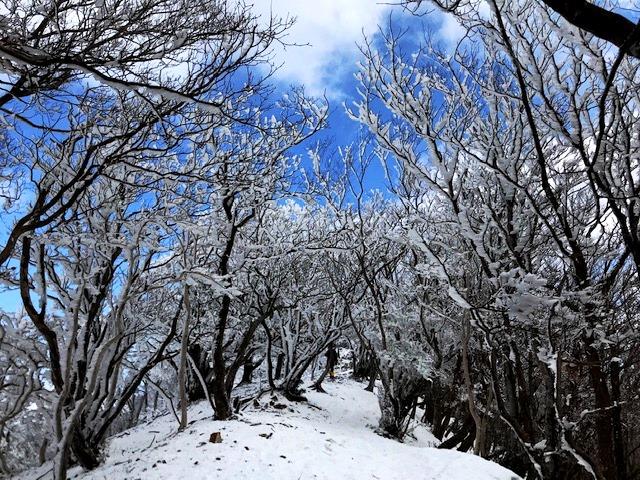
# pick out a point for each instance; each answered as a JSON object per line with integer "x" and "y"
{"x": 328, "y": 31}
{"x": 325, "y": 35}
{"x": 450, "y": 31}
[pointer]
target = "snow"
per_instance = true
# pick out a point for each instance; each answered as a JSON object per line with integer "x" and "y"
{"x": 331, "y": 437}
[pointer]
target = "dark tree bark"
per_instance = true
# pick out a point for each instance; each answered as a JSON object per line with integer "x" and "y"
{"x": 617, "y": 423}
{"x": 279, "y": 366}
{"x": 603, "y": 422}
{"x": 222, "y": 375}
{"x": 195, "y": 390}
{"x": 317, "y": 385}
{"x": 85, "y": 453}
{"x": 466, "y": 430}
{"x": 247, "y": 370}
{"x": 267, "y": 332}
{"x": 373, "y": 374}
{"x": 602, "y": 23}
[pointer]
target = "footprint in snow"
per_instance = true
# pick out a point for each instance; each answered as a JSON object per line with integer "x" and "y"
{"x": 328, "y": 443}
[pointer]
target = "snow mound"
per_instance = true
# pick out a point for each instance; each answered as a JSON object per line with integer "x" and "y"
{"x": 331, "y": 437}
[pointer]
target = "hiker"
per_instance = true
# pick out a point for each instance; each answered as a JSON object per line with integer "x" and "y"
{"x": 332, "y": 360}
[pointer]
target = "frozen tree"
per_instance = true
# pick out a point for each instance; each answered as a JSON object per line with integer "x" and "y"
{"x": 82, "y": 288}
{"x": 523, "y": 143}
{"x": 597, "y": 18}
{"x": 123, "y": 126}
{"x": 249, "y": 170}
{"x": 87, "y": 86}
{"x": 22, "y": 361}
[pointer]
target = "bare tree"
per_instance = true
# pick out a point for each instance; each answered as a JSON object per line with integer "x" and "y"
{"x": 597, "y": 18}
{"x": 87, "y": 85}
{"x": 539, "y": 247}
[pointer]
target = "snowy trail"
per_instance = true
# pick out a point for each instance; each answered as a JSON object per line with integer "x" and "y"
{"x": 332, "y": 439}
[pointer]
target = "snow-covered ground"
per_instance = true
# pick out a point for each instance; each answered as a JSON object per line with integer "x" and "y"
{"x": 331, "y": 437}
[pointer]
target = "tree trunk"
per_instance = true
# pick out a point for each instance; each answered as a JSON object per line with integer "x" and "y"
{"x": 247, "y": 371}
{"x": 604, "y": 426}
{"x": 86, "y": 454}
{"x": 221, "y": 400}
{"x": 61, "y": 460}
{"x": 479, "y": 442}
{"x": 317, "y": 385}
{"x": 466, "y": 429}
{"x": 42, "y": 452}
{"x": 267, "y": 332}
{"x": 219, "y": 384}
{"x": 373, "y": 374}
{"x": 618, "y": 432}
{"x": 182, "y": 374}
{"x": 196, "y": 389}
{"x": 279, "y": 366}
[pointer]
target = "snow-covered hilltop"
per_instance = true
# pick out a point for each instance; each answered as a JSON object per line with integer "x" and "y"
{"x": 330, "y": 437}
{"x": 450, "y": 208}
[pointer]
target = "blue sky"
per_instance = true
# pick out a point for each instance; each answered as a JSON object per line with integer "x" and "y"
{"x": 322, "y": 56}
{"x": 324, "y": 52}
{"x": 328, "y": 31}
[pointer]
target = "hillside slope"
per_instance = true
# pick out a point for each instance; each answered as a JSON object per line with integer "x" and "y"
{"x": 332, "y": 437}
